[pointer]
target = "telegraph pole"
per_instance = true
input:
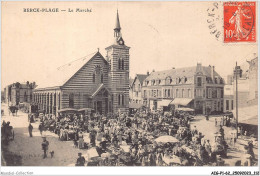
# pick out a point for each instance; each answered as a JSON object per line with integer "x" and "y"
{"x": 236, "y": 103}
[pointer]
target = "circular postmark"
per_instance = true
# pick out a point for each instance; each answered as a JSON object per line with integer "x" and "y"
{"x": 214, "y": 19}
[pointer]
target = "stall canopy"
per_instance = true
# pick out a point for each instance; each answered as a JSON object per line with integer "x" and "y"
{"x": 164, "y": 103}
{"x": 247, "y": 115}
{"x": 181, "y": 101}
{"x": 85, "y": 109}
{"x": 68, "y": 110}
{"x": 135, "y": 105}
{"x": 185, "y": 109}
{"x": 165, "y": 139}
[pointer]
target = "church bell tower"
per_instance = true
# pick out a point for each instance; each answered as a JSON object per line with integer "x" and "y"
{"x": 118, "y": 59}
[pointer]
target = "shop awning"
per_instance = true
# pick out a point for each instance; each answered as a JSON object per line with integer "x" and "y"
{"x": 181, "y": 101}
{"x": 185, "y": 109}
{"x": 251, "y": 121}
{"x": 135, "y": 105}
{"x": 247, "y": 115}
{"x": 68, "y": 110}
{"x": 164, "y": 103}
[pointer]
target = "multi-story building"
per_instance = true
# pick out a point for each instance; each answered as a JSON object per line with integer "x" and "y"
{"x": 247, "y": 95}
{"x": 228, "y": 98}
{"x": 19, "y": 93}
{"x": 247, "y": 83}
{"x": 198, "y": 87}
{"x": 97, "y": 82}
{"x": 136, "y": 89}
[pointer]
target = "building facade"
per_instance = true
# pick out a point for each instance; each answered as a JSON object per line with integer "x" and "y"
{"x": 247, "y": 83}
{"x": 92, "y": 82}
{"x": 136, "y": 89}
{"x": 228, "y": 98}
{"x": 198, "y": 87}
{"x": 19, "y": 93}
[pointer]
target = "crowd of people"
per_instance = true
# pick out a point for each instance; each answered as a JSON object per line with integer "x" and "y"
{"x": 131, "y": 141}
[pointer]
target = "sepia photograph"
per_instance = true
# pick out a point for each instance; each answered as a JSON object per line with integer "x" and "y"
{"x": 140, "y": 84}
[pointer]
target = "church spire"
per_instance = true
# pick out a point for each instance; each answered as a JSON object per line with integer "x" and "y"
{"x": 117, "y": 32}
{"x": 117, "y": 27}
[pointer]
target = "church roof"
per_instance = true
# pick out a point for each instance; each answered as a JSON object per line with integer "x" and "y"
{"x": 62, "y": 74}
{"x": 179, "y": 73}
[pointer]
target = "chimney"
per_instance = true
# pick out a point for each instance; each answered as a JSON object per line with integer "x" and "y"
{"x": 199, "y": 67}
{"x": 173, "y": 68}
{"x": 148, "y": 73}
{"x": 212, "y": 69}
{"x": 153, "y": 70}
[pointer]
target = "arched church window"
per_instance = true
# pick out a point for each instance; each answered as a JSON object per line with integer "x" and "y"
{"x": 122, "y": 62}
{"x": 119, "y": 99}
{"x": 102, "y": 78}
{"x": 123, "y": 99}
{"x": 71, "y": 100}
{"x": 119, "y": 63}
{"x": 25, "y": 97}
{"x": 94, "y": 78}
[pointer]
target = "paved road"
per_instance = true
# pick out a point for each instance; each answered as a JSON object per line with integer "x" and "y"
{"x": 30, "y": 147}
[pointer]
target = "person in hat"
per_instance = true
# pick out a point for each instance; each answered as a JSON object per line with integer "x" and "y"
{"x": 30, "y": 129}
{"x": 81, "y": 160}
{"x": 45, "y": 146}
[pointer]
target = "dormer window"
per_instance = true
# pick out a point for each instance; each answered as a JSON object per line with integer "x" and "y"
{"x": 216, "y": 80}
{"x": 168, "y": 80}
{"x": 221, "y": 81}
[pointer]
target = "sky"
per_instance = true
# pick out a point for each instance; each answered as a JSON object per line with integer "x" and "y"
{"x": 161, "y": 35}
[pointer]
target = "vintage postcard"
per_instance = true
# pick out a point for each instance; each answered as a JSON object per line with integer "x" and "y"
{"x": 129, "y": 84}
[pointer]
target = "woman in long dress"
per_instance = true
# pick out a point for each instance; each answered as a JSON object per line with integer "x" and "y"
{"x": 81, "y": 140}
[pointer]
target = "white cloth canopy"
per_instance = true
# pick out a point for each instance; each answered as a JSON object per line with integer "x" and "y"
{"x": 181, "y": 101}
{"x": 164, "y": 103}
{"x": 165, "y": 139}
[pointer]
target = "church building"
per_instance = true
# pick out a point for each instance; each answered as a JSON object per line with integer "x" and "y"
{"x": 97, "y": 82}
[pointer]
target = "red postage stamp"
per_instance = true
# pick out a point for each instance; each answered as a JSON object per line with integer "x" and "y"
{"x": 239, "y": 22}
